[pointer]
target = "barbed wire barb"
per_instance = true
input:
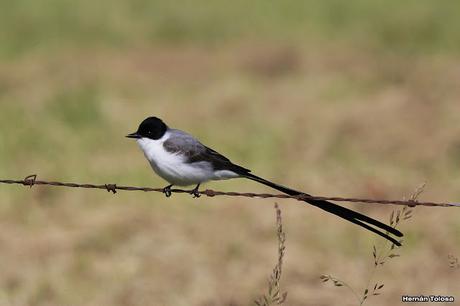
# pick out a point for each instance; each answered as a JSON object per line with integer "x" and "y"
{"x": 31, "y": 180}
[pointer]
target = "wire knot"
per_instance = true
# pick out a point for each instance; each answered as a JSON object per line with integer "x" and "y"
{"x": 303, "y": 197}
{"x": 30, "y": 180}
{"x": 111, "y": 188}
{"x": 209, "y": 193}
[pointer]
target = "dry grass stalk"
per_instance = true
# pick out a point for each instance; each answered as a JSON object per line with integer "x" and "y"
{"x": 274, "y": 296}
{"x": 380, "y": 254}
{"x": 453, "y": 261}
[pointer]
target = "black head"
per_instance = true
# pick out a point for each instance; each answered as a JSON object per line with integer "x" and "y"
{"x": 152, "y": 127}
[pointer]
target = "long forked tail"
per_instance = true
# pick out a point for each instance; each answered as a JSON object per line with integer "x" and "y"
{"x": 345, "y": 213}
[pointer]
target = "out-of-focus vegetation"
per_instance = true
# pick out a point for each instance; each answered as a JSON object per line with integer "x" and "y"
{"x": 356, "y": 98}
{"x": 410, "y": 26}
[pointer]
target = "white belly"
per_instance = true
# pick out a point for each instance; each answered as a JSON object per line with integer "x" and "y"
{"x": 172, "y": 168}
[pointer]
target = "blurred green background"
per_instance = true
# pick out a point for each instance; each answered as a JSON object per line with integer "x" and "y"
{"x": 355, "y": 98}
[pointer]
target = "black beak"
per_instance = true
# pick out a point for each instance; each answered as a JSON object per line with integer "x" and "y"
{"x": 134, "y": 135}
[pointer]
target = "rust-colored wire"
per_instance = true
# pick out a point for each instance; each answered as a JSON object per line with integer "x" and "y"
{"x": 31, "y": 180}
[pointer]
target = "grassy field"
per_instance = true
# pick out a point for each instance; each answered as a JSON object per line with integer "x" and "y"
{"x": 357, "y": 98}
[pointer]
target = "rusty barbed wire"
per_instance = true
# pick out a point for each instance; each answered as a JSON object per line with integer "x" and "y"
{"x": 32, "y": 180}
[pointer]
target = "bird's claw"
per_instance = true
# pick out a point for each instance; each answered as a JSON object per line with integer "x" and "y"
{"x": 167, "y": 191}
{"x": 195, "y": 192}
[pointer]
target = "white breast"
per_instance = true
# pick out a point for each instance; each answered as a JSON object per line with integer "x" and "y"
{"x": 172, "y": 166}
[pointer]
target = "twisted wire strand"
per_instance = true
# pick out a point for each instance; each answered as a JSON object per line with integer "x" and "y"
{"x": 32, "y": 180}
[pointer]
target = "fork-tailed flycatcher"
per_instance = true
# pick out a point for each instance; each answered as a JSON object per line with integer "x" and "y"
{"x": 182, "y": 160}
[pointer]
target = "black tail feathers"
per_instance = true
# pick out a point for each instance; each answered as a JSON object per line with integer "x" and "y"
{"x": 345, "y": 213}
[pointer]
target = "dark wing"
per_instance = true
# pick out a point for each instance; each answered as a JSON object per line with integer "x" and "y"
{"x": 220, "y": 162}
{"x": 184, "y": 144}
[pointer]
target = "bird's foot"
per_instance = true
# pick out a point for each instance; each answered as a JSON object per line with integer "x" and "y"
{"x": 167, "y": 191}
{"x": 195, "y": 192}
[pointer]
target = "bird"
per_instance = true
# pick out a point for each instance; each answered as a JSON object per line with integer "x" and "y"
{"x": 182, "y": 160}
